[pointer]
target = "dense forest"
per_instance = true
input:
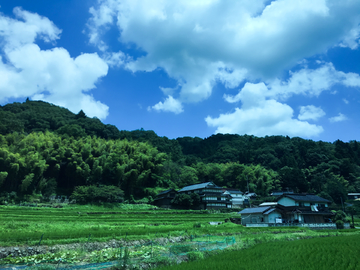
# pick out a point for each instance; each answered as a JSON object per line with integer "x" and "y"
{"x": 46, "y": 149}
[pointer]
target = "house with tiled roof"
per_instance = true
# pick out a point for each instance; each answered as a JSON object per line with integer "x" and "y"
{"x": 239, "y": 199}
{"x": 164, "y": 198}
{"x": 304, "y": 208}
{"x": 212, "y": 196}
{"x": 259, "y": 215}
{"x": 294, "y": 209}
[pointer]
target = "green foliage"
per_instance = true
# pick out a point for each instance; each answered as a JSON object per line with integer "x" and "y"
{"x": 187, "y": 201}
{"x": 195, "y": 255}
{"x": 46, "y": 162}
{"x": 339, "y": 219}
{"x": 339, "y": 252}
{"x": 46, "y": 149}
{"x": 94, "y": 194}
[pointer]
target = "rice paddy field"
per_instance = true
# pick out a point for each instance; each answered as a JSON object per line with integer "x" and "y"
{"x": 26, "y": 225}
{"x": 253, "y": 248}
{"x": 78, "y": 224}
{"x": 337, "y": 252}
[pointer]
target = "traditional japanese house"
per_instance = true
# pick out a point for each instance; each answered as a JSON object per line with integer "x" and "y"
{"x": 212, "y": 196}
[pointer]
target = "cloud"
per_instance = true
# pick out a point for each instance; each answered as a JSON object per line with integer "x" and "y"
{"x": 310, "y": 113}
{"x": 50, "y": 75}
{"x": 312, "y": 82}
{"x": 339, "y": 118}
{"x": 260, "y": 116}
{"x": 200, "y": 43}
{"x": 169, "y": 105}
{"x": 309, "y": 82}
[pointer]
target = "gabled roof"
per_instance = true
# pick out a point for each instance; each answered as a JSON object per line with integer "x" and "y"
{"x": 233, "y": 190}
{"x": 198, "y": 186}
{"x": 255, "y": 210}
{"x": 269, "y": 211}
{"x": 268, "y": 204}
{"x": 165, "y": 191}
{"x": 305, "y": 198}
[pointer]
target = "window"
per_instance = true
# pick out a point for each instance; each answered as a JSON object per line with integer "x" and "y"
{"x": 216, "y": 204}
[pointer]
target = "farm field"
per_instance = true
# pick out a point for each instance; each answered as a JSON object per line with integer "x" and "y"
{"x": 338, "y": 252}
{"x": 127, "y": 224}
{"x": 26, "y": 225}
{"x": 76, "y": 224}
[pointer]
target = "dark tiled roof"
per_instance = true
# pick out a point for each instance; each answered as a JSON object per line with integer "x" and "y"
{"x": 234, "y": 191}
{"x": 255, "y": 210}
{"x": 165, "y": 191}
{"x": 198, "y": 186}
{"x": 269, "y": 211}
{"x": 305, "y": 198}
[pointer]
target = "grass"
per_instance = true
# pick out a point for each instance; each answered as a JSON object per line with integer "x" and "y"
{"x": 26, "y": 225}
{"x": 79, "y": 224}
{"x": 339, "y": 252}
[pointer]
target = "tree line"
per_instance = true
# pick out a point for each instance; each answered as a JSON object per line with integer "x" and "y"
{"x": 46, "y": 149}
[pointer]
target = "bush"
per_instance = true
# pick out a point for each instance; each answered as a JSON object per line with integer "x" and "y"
{"x": 195, "y": 255}
{"x": 94, "y": 194}
{"x": 340, "y": 224}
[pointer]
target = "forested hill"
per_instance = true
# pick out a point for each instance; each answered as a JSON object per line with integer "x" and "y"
{"x": 33, "y": 116}
{"x": 45, "y": 149}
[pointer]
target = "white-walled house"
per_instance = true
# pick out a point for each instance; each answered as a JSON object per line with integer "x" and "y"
{"x": 237, "y": 197}
{"x": 258, "y": 215}
{"x": 304, "y": 208}
{"x": 290, "y": 209}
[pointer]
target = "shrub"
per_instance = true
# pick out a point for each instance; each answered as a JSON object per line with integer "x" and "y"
{"x": 340, "y": 224}
{"x": 195, "y": 255}
{"x": 94, "y": 194}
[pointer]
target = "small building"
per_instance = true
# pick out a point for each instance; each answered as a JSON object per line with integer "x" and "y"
{"x": 163, "y": 199}
{"x": 258, "y": 215}
{"x": 212, "y": 196}
{"x": 290, "y": 209}
{"x": 239, "y": 200}
{"x": 353, "y": 196}
{"x": 278, "y": 193}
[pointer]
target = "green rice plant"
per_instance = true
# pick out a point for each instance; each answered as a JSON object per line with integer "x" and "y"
{"x": 337, "y": 252}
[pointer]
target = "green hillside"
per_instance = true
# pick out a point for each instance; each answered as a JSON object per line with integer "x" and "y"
{"x": 46, "y": 149}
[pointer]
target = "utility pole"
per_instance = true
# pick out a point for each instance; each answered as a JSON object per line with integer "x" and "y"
{"x": 247, "y": 180}
{"x": 342, "y": 204}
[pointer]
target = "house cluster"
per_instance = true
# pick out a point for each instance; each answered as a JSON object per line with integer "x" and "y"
{"x": 211, "y": 196}
{"x": 290, "y": 208}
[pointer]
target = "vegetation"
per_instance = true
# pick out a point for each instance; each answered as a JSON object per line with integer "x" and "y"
{"x": 46, "y": 149}
{"x": 339, "y": 252}
{"x": 73, "y": 224}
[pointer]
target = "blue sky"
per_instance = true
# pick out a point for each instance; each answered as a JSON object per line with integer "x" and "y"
{"x": 190, "y": 68}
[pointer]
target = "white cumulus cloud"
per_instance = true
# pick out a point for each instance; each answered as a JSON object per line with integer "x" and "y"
{"x": 50, "y": 75}
{"x": 310, "y": 112}
{"x": 169, "y": 105}
{"x": 339, "y": 118}
{"x": 260, "y": 116}
{"x": 201, "y": 42}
